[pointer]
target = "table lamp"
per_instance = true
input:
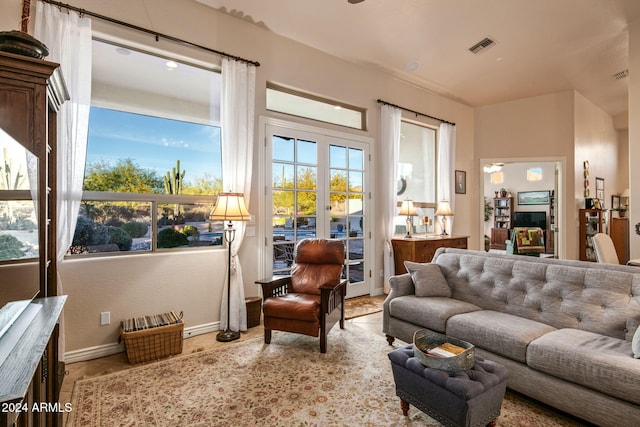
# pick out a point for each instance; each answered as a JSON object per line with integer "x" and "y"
{"x": 443, "y": 211}
{"x": 409, "y": 210}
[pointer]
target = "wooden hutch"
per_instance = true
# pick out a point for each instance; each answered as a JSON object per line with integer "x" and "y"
{"x": 31, "y": 92}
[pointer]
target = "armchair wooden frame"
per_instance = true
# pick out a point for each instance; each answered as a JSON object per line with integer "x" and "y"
{"x": 331, "y": 297}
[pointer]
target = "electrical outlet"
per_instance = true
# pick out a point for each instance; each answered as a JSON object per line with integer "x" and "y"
{"x": 105, "y": 318}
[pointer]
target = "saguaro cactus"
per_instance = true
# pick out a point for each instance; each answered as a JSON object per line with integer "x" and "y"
{"x": 173, "y": 180}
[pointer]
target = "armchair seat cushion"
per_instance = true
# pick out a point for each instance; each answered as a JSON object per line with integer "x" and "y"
{"x": 304, "y": 307}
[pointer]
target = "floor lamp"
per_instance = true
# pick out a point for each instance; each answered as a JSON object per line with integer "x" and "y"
{"x": 229, "y": 207}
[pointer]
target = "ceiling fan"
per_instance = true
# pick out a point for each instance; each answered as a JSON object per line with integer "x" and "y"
{"x": 355, "y": 1}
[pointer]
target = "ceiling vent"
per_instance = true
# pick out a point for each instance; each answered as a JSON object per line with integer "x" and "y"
{"x": 482, "y": 45}
{"x": 621, "y": 75}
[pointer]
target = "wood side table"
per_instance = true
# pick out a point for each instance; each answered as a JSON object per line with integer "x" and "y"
{"x": 422, "y": 249}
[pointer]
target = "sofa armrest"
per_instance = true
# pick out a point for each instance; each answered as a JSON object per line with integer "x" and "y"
{"x": 401, "y": 285}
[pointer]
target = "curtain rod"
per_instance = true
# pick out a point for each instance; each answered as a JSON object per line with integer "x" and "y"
{"x": 156, "y": 34}
{"x": 380, "y": 101}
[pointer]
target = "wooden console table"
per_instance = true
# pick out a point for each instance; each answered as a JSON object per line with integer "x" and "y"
{"x": 422, "y": 249}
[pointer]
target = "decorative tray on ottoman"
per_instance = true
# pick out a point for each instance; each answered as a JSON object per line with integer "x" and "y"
{"x": 439, "y": 351}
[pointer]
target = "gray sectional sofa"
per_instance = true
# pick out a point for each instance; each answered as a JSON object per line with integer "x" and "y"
{"x": 563, "y": 329}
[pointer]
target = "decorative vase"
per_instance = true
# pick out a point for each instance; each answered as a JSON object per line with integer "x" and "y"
{"x": 22, "y": 43}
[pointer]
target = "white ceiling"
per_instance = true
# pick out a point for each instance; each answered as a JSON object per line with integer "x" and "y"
{"x": 543, "y": 46}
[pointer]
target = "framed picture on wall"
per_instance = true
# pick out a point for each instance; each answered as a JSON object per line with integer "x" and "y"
{"x": 461, "y": 182}
{"x": 600, "y": 189}
{"x": 533, "y": 197}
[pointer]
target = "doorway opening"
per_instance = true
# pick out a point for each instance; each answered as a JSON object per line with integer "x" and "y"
{"x": 523, "y": 192}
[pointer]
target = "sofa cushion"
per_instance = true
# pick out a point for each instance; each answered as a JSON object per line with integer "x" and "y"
{"x": 497, "y": 332}
{"x": 592, "y": 360}
{"x": 428, "y": 280}
{"x": 428, "y": 312}
{"x": 635, "y": 344}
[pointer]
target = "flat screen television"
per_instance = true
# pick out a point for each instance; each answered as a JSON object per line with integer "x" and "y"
{"x": 530, "y": 219}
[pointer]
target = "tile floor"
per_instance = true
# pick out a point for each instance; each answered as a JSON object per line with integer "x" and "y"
{"x": 117, "y": 362}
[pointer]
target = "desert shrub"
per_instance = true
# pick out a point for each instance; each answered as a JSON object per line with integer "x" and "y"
{"x": 192, "y": 231}
{"x": 10, "y": 247}
{"x": 22, "y": 224}
{"x": 89, "y": 233}
{"x": 114, "y": 222}
{"x": 120, "y": 237}
{"x": 170, "y": 238}
{"x": 135, "y": 229}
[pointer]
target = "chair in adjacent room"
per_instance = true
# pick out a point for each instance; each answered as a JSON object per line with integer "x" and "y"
{"x": 310, "y": 300}
{"x": 606, "y": 251}
{"x": 604, "y": 248}
{"x": 526, "y": 241}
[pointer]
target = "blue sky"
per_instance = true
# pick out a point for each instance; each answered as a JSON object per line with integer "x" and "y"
{"x": 154, "y": 143}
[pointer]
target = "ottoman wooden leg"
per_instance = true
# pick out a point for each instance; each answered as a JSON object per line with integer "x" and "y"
{"x": 405, "y": 407}
{"x": 492, "y": 423}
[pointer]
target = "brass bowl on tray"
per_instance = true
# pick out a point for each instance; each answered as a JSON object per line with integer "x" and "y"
{"x": 425, "y": 341}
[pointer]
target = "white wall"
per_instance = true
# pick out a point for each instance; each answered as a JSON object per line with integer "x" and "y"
{"x": 634, "y": 138}
{"x": 539, "y": 127}
{"x": 193, "y": 281}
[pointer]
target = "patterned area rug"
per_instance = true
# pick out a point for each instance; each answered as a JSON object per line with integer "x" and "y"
{"x": 361, "y": 306}
{"x": 286, "y": 383}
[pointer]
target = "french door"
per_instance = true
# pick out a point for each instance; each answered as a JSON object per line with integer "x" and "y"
{"x": 317, "y": 186}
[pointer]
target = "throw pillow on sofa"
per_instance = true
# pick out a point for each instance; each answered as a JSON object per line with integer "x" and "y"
{"x": 428, "y": 280}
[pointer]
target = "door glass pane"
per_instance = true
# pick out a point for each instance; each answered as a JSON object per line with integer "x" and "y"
{"x": 283, "y": 148}
{"x": 307, "y": 152}
{"x": 307, "y": 177}
{"x": 355, "y": 181}
{"x": 356, "y": 159}
{"x": 337, "y": 157}
{"x": 283, "y": 175}
{"x": 306, "y": 203}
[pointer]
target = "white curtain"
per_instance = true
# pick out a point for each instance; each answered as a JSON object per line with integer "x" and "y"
{"x": 237, "y": 118}
{"x": 68, "y": 37}
{"x": 390, "y": 134}
{"x": 446, "y": 169}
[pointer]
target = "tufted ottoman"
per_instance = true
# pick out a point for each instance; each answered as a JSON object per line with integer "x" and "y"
{"x": 465, "y": 398}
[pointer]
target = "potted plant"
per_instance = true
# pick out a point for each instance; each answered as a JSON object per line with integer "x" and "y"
{"x": 622, "y": 212}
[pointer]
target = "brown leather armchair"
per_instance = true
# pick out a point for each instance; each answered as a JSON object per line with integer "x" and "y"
{"x": 311, "y": 300}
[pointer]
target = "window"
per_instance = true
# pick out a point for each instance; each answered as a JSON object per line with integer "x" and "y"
{"x": 309, "y": 106}
{"x": 153, "y": 155}
{"x": 417, "y": 174}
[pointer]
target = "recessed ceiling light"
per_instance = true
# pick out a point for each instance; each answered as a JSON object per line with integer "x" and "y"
{"x": 411, "y": 66}
{"x": 123, "y": 51}
{"x": 171, "y": 65}
{"x": 337, "y": 107}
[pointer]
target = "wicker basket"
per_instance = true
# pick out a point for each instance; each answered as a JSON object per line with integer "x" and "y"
{"x": 254, "y": 308}
{"x": 154, "y": 343}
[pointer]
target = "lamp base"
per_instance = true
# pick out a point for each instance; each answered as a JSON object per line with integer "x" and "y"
{"x": 228, "y": 335}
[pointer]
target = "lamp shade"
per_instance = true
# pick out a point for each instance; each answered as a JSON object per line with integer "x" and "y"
{"x": 444, "y": 208}
{"x": 407, "y": 208}
{"x": 230, "y": 207}
{"x": 625, "y": 193}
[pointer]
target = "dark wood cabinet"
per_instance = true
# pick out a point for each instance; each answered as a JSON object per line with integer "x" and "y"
{"x": 31, "y": 92}
{"x": 499, "y": 236}
{"x": 619, "y": 232}
{"x": 423, "y": 249}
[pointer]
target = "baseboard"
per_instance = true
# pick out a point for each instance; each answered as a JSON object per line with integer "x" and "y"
{"x": 96, "y": 352}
